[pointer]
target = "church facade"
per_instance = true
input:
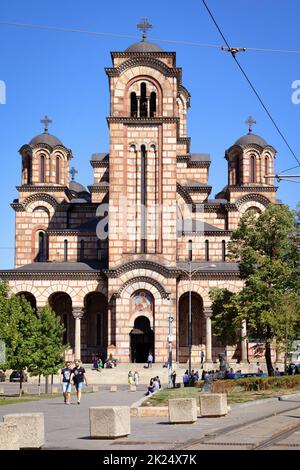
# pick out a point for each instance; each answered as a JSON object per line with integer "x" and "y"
{"x": 122, "y": 259}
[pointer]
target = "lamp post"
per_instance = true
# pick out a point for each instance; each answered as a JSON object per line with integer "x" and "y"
{"x": 170, "y": 339}
{"x": 190, "y": 273}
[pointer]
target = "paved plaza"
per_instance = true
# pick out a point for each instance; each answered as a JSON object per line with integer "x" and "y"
{"x": 246, "y": 426}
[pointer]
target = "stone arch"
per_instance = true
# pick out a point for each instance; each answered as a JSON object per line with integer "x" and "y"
{"x": 49, "y": 201}
{"x": 141, "y": 79}
{"x": 154, "y": 286}
{"x": 95, "y": 323}
{"x": 185, "y": 195}
{"x": 257, "y": 200}
{"x": 142, "y": 314}
{"x": 61, "y": 304}
{"x": 29, "y": 297}
{"x": 184, "y": 287}
{"x": 145, "y": 62}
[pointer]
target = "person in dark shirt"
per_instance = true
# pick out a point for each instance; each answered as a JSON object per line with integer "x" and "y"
{"x": 78, "y": 376}
{"x": 66, "y": 382}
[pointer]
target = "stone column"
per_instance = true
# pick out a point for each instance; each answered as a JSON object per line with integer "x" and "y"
{"x": 244, "y": 346}
{"x": 78, "y": 314}
{"x": 207, "y": 314}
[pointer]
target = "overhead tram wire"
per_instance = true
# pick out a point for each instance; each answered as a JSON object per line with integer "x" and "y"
{"x": 233, "y": 53}
{"x": 124, "y": 36}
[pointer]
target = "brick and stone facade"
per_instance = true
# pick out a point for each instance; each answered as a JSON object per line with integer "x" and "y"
{"x": 167, "y": 236}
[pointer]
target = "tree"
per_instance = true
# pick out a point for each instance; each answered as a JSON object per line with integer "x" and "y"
{"x": 19, "y": 331}
{"x": 268, "y": 260}
{"x": 49, "y": 347}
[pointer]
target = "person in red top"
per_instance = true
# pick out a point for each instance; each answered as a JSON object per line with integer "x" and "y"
{"x": 78, "y": 375}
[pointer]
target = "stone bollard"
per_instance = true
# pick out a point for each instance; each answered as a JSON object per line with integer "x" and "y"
{"x": 113, "y": 388}
{"x": 56, "y": 389}
{"x": 9, "y": 437}
{"x": 109, "y": 422}
{"x": 213, "y": 404}
{"x": 1, "y": 390}
{"x": 30, "y": 427}
{"x": 132, "y": 388}
{"x": 182, "y": 410}
{"x": 95, "y": 388}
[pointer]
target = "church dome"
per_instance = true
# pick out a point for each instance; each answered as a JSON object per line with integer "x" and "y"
{"x": 47, "y": 139}
{"x": 77, "y": 187}
{"x": 144, "y": 46}
{"x": 249, "y": 139}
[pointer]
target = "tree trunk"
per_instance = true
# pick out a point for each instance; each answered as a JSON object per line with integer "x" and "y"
{"x": 39, "y": 384}
{"x": 21, "y": 384}
{"x": 269, "y": 359}
{"x": 47, "y": 384}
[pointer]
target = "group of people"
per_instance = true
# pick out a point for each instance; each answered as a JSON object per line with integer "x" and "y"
{"x": 154, "y": 385}
{"x": 133, "y": 378}
{"x": 75, "y": 375}
{"x": 98, "y": 364}
{"x": 189, "y": 380}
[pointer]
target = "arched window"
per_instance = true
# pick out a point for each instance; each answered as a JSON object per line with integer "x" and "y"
{"x": 266, "y": 169}
{"x": 206, "y": 250}
{"x": 133, "y": 105}
{"x": 153, "y": 104}
{"x": 42, "y": 169}
{"x": 237, "y": 170}
{"x": 98, "y": 250}
{"x": 28, "y": 166}
{"x": 223, "y": 250}
{"x": 65, "y": 251}
{"x": 42, "y": 247}
{"x": 252, "y": 169}
{"x": 57, "y": 171}
{"x": 190, "y": 250}
{"x": 143, "y": 101}
{"x": 81, "y": 251}
{"x": 143, "y": 198}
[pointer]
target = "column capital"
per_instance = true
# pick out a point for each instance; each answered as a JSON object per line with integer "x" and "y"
{"x": 78, "y": 312}
{"x": 207, "y": 311}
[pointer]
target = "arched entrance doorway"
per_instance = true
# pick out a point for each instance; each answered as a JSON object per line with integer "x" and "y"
{"x": 94, "y": 324}
{"x": 61, "y": 304}
{"x": 198, "y": 326}
{"x": 141, "y": 340}
{"x": 142, "y": 335}
{"x": 29, "y": 297}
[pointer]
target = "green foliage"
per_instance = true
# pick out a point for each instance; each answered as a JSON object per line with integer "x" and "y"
{"x": 257, "y": 383}
{"x": 267, "y": 249}
{"x": 49, "y": 347}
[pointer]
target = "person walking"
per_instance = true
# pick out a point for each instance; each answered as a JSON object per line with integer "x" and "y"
{"x": 202, "y": 355}
{"x": 66, "y": 373}
{"x": 130, "y": 378}
{"x": 150, "y": 360}
{"x": 136, "y": 378}
{"x": 78, "y": 375}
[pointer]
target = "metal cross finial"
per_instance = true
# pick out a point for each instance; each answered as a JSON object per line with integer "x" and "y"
{"x": 73, "y": 173}
{"x": 144, "y": 25}
{"x": 250, "y": 122}
{"x": 46, "y": 121}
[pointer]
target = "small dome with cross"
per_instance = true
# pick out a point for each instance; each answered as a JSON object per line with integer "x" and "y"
{"x": 46, "y": 138}
{"x": 250, "y": 138}
{"x": 144, "y": 45}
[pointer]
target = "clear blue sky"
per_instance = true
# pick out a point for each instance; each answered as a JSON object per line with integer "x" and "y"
{"x": 62, "y": 75}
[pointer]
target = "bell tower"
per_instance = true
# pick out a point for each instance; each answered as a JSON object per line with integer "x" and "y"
{"x": 147, "y": 130}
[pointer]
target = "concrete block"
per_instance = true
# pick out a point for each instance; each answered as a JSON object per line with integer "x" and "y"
{"x": 113, "y": 388}
{"x": 183, "y": 410}
{"x": 109, "y": 422}
{"x": 95, "y": 388}
{"x": 30, "y": 427}
{"x": 132, "y": 388}
{"x": 9, "y": 437}
{"x": 213, "y": 404}
{"x": 56, "y": 389}
{"x": 1, "y": 390}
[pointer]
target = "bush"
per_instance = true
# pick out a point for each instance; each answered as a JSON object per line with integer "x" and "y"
{"x": 254, "y": 384}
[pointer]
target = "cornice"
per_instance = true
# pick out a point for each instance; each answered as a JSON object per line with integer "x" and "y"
{"x": 116, "y": 54}
{"x": 221, "y": 233}
{"x": 249, "y": 189}
{"x": 55, "y": 275}
{"x": 98, "y": 189}
{"x": 199, "y": 189}
{"x": 186, "y": 159}
{"x": 142, "y": 120}
{"x": 97, "y": 164}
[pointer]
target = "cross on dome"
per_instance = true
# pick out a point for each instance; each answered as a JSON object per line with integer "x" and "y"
{"x": 46, "y": 121}
{"x": 250, "y": 123}
{"x": 144, "y": 26}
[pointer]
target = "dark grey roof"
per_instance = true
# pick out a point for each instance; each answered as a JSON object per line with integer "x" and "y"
{"x": 200, "y": 157}
{"x": 144, "y": 46}
{"x": 194, "y": 184}
{"x": 249, "y": 139}
{"x": 216, "y": 201}
{"x": 99, "y": 157}
{"x": 45, "y": 138}
{"x": 57, "y": 267}
{"x": 79, "y": 200}
{"x": 77, "y": 187}
{"x": 204, "y": 266}
{"x": 199, "y": 226}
